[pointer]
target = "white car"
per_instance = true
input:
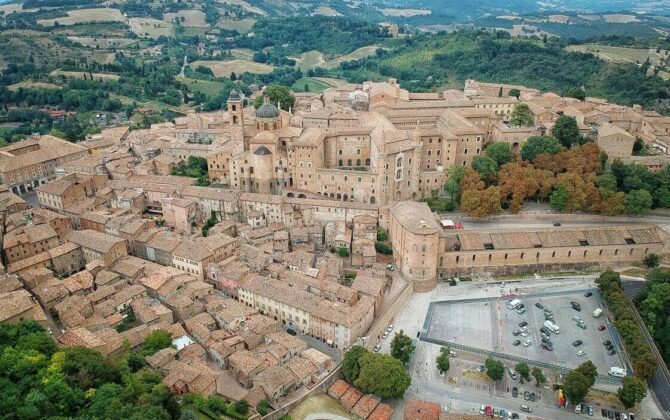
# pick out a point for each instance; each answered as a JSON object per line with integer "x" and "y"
{"x": 377, "y": 348}
{"x": 581, "y": 353}
{"x": 386, "y": 334}
{"x": 390, "y": 328}
{"x": 482, "y": 410}
{"x": 576, "y": 318}
{"x": 527, "y": 343}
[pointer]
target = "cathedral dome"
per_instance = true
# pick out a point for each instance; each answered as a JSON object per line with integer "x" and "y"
{"x": 268, "y": 111}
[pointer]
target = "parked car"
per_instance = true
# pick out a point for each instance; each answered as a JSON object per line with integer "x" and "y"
{"x": 581, "y": 353}
{"x": 631, "y": 416}
{"x": 525, "y": 408}
{"x": 576, "y": 318}
{"x": 578, "y": 409}
{"x": 523, "y": 323}
{"x": 533, "y": 397}
{"x": 502, "y": 413}
{"x": 590, "y": 410}
{"x": 526, "y": 395}
{"x": 390, "y": 267}
{"x": 377, "y": 348}
{"x": 610, "y": 414}
{"x": 624, "y": 416}
{"x": 516, "y": 332}
{"x": 611, "y": 352}
{"x": 515, "y": 391}
{"x": 527, "y": 343}
{"x": 603, "y": 412}
{"x": 390, "y": 328}
{"x": 544, "y": 330}
{"x": 516, "y": 343}
{"x": 386, "y": 334}
{"x": 539, "y": 305}
{"x": 607, "y": 343}
{"x": 489, "y": 411}
{"x": 617, "y": 415}
{"x": 588, "y": 294}
{"x": 481, "y": 368}
{"x": 544, "y": 336}
{"x": 557, "y": 224}
{"x": 547, "y": 346}
{"x": 514, "y": 416}
{"x": 601, "y": 327}
{"x": 292, "y": 332}
{"x": 576, "y": 306}
{"x": 496, "y": 412}
{"x": 609, "y": 346}
{"x": 581, "y": 325}
{"x": 521, "y": 311}
{"x": 577, "y": 343}
{"x": 482, "y": 410}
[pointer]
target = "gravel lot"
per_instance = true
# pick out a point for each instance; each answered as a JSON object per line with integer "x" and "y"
{"x": 488, "y": 324}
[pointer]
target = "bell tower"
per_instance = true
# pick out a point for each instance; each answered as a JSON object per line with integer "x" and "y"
{"x": 235, "y": 108}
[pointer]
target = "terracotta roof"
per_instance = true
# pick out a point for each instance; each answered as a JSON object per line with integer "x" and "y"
{"x": 422, "y": 410}
{"x": 351, "y": 397}
{"x": 415, "y": 217}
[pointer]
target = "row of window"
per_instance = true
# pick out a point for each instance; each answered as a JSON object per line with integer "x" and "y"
{"x": 537, "y": 255}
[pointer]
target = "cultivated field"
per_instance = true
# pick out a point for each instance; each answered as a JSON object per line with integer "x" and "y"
{"x": 589, "y": 17}
{"x": 310, "y": 60}
{"x": 312, "y": 85}
{"x": 354, "y": 55}
{"x": 103, "y": 43}
{"x": 80, "y": 75}
{"x": 620, "y": 54}
{"x": 331, "y": 81}
{"x": 326, "y": 11}
{"x": 559, "y": 18}
{"x": 243, "y": 53}
{"x": 619, "y": 18}
{"x": 225, "y": 68}
{"x": 405, "y": 12}
{"x": 86, "y": 16}
{"x": 191, "y": 18}
{"x": 246, "y": 6}
{"x": 242, "y": 26}
{"x": 150, "y": 28}
{"x": 11, "y": 8}
{"x": 33, "y": 85}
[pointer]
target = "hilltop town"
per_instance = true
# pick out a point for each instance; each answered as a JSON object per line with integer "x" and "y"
{"x": 268, "y": 241}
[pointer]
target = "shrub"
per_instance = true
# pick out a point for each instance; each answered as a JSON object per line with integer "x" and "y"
{"x": 383, "y": 248}
{"x": 342, "y": 252}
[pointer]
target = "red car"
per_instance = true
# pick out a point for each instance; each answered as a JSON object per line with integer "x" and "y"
{"x": 601, "y": 327}
{"x": 489, "y": 411}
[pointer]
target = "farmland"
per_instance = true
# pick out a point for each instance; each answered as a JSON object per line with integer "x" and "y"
{"x": 75, "y": 17}
{"x": 33, "y": 85}
{"x": 620, "y": 54}
{"x": 188, "y": 18}
{"x": 225, "y": 68}
{"x": 312, "y": 84}
{"x": 242, "y": 26}
{"x": 150, "y": 28}
{"x": 405, "y": 12}
{"x": 313, "y": 59}
{"x": 103, "y": 43}
{"x": 82, "y": 74}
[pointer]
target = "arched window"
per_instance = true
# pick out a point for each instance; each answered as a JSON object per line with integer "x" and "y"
{"x": 398, "y": 174}
{"x": 367, "y": 162}
{"x": 358, "y": 162}
{"x": 341, "y": 162}
{"x": 372, "y": 200}
{"x": 349, "y": 162}
{"x": 399, "y": 162}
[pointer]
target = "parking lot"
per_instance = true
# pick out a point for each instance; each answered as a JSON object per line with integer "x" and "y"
{"x": 488, "y": 324}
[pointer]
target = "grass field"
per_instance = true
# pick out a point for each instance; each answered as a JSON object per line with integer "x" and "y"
{"x": 225, "y": 68}
{"x": 405, "y": 12}
{"x": 314, "y": 85}
{"x": 246, "y": 6}
{"x": 80, "y": 75}
{"x": 326, "y": 11}
{"x": 619, "y": 54}
{"x": 33, "y": 85}
{"x": 191, "y": 18}
{"x": 208, "y": 87}
{"x": 242, "y": 26}
{"x": 354, "y": 55}
{"x": 150, "y": 28}
{"x": 243, "y": 53}
{"x": 104, "y": 43}
{"x": 310, "y": 60}
{"x": 331, "y": 81}
{"x": 85, "y": 16}
{"x": 319, "y": 403}
{"x": 619, "y": 18}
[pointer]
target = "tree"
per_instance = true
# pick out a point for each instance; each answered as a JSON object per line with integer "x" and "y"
{"x": 402, "y": 347}
{"x": 383, "y": 376}
{"x": 524, "y": 370}
{"x": 566, "y": 131}
{"x": 632, "y": 392}
{"x": 639, "y": 202}
{"x": 500, "y": 92}
{"x": 306, "y": 88}
{"x": 277, "y": 95}
{"x": 589, "y": 370}
{"x": 443, "y": 360}
{"x": 486, "y": 167}
{"x": 537, "y": 145}
{"x": 522, "y": 116}
{"x": 515, "y": 93}
{"x": 500, "y": 152}
{"x": 576, "y": 386}
{"x": 452, "y": 186}
{"x": 652, "y": 260}
{"x": 342, "y": 252}
{"x": 233, "y": 76}
{"x": 262, "y": 407}
{"x": 574, "y": 92}
{"x": 381, "y": 234}
{"x": 241, "y": 407}
{"x": 480, "y": 204}
{"x": 539, "y": 376}
{"x": 156, "y": 341}
{"x": 350, "y": 367}
{"x": 494, "y": 369}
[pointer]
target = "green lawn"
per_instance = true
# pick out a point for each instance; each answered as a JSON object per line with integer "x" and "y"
{"x": 313, "y": 85}
{"x": 208, "y": 87}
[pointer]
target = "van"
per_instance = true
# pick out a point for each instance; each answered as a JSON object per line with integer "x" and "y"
{"x": 617, "y": 371}
{"x": 513, "y": 374}
{"x": 552, "y": 327}
{"x": 513, "y": 303}
{"x": 525, "y": 408}
{"x": 597, "y": 312}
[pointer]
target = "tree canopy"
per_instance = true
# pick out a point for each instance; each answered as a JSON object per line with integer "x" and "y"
{"x": 537, "y": 145}
{"x": 277, "y": 95}
{"x": 522, "y": 116}
{"x": 442, "y": 360}
{"x": 402, "y": 347}
{"x": 631, "y": 392}
{"x": 382, "y": 375}
{"x": 494, "y": 369}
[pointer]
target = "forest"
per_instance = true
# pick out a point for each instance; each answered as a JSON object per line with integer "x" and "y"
{"x": 653, "y": 303}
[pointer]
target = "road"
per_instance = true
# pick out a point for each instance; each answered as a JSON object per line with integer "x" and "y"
{"x": 183, "y": 67}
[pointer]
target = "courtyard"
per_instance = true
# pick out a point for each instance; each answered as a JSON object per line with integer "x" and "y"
{"x": 488, "y": 324}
